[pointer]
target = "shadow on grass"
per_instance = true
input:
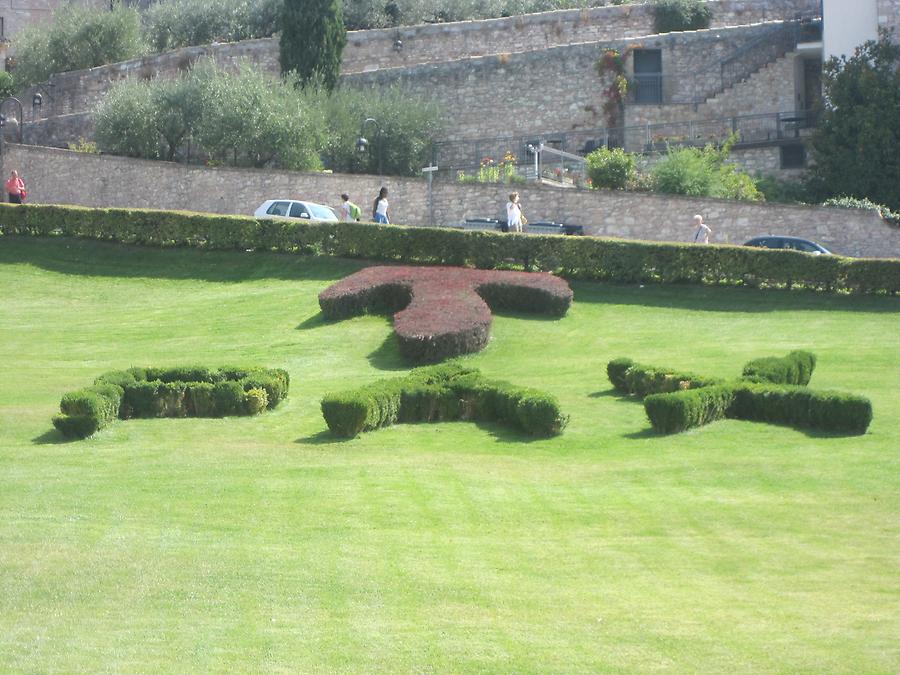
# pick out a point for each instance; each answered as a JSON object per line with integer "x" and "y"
{"x": 323, "y": 437}
{"x": 314, "y": 321}
{"x": 98, "y": 258}
{"x": 612, "y": 393}
{"x": 52, "y": 437}
{"x": 727, "y": 298}
{"x": 387, "y": 356}
{"x": 643, "y": 434}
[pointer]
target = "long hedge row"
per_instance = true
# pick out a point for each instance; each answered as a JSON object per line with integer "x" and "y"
{"x": 797, "y": 406}
{"x": 169, "y": 392}
{"x": 442, "y": 393}
{"x": 573, "y": 257}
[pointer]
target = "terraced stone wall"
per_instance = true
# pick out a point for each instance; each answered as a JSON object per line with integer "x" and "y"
{"x": 63, "y": 177}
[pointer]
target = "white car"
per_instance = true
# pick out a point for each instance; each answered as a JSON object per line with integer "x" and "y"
{"x": 293, "y": 208}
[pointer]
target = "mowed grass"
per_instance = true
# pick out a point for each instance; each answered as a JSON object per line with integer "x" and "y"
{"x": 264, "y": 544}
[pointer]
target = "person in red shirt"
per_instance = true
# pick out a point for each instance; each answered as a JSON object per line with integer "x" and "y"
{"x": 15, "y": 188}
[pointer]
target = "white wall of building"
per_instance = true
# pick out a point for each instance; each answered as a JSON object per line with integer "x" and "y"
{"x": 847, "y": 24}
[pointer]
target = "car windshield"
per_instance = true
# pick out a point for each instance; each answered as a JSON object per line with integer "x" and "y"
{"x": 321, "y": 212}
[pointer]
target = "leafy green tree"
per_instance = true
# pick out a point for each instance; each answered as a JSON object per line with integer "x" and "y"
{"x": 77, "y": 38}
{"x": 855, "y": 146}
{"x": 250, "y": 119}
{"x": 126, "y": 121}
{"x": 401, "y": 138}
{"x": 312, "y": 40}
{"x": 181, "y": 23}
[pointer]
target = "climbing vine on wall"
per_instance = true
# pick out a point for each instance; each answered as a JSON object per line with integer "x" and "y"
{"x": 612, "y": 63}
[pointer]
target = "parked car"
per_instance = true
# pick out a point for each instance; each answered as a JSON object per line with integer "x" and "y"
{"x": 292, "y": 208}
{"x": 792, "y": 243}
{"x": 539, "y": 227}
{"x": 551, "y": 227}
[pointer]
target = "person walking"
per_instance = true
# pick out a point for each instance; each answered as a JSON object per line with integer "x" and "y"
{"x": 514, "y": 213}
{"x": 380, "y": 207}
{"x": 15, "y": 188}
{"x": 701, "y": 236}
{"x": 349, "y": 211}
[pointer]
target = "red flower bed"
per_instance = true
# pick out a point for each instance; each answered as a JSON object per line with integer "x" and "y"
{"x": 441, "y": 312}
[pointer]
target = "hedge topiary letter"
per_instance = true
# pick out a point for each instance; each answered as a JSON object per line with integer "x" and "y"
{"x": 440, "y": 312}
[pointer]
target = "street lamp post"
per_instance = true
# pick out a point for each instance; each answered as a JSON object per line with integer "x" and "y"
{"x": 362, "y": 145}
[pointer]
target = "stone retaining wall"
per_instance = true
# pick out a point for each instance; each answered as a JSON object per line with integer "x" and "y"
{"x": 64, "y": 177}
{"x": 79, "y": 91}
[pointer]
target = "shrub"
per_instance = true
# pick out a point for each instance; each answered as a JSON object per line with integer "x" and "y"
{"x": 883, "y": 212}
{"x": 88, "y": 410}
{"x": 441, "y": 393}
{"x": 7, "y": 85}
{"x": 696, "y": 172}
{"x": 616, "y": 371}
{"x": 678, "y": 411}
{"x": 798, "y": 406}
{"x": 572, "y": 257}
{"x": 795, "y": 368}
{"x": 636, "y": 379}
{"x": 679, "y": 15}
{"x": 191, "y": 391}
{"x": 613, "y": 169}
{"x": 448, "y": 311}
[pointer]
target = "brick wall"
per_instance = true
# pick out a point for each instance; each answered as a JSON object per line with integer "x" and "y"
{"x": 60, "y": 176}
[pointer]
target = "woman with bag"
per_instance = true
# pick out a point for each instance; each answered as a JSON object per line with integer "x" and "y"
{"x": 15, "y": 188}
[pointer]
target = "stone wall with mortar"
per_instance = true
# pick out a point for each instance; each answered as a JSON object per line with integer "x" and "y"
{"x": 555, "y": 89}
{"x": 79, "y": 91}
{"x": 770, "y": 89}
{"x": 64, "y": 177}
{"x": 374, "y": 49}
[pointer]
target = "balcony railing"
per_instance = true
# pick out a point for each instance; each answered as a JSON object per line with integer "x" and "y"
{"x": 769, "y": 128}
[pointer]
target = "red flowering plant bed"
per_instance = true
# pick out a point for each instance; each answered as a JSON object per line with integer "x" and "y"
{"x": 440, "y": 312}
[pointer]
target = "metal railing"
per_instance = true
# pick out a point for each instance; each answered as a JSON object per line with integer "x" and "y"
{"x": 768, "y": 128}
{"x": 749, "y": 58}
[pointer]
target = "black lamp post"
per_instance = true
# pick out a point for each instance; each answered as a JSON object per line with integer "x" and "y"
{"x": 36, "y": 102}
{"x": 362, "y": 145}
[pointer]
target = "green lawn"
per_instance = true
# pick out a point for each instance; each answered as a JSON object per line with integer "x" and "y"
{"x": 263, "y": 544}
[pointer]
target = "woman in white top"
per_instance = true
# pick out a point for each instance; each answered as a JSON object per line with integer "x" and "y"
{"x": 379, "y": 209}
{"x": 514, "y": 213}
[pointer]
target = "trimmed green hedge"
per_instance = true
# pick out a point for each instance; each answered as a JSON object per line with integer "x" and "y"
{"x": 795, "y": 368}
{"x": 573, "y": 257}
{"x": 678, "y": 411}
{"x": 170, "y": 392}
{"x": 792, "y": 405}
{"x": 771, "y": 390}
{"x": 442, "y": 393}
{"x": 633, "y": 378}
